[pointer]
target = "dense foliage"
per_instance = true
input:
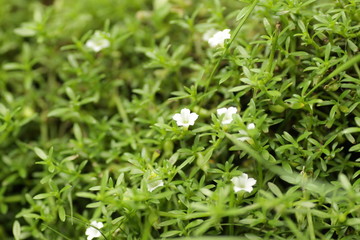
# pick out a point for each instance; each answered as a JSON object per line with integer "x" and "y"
{"x": 89, "y": 135}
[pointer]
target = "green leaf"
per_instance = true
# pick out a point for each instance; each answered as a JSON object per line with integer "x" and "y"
{"x": 351, "y": 130}
{"x": 303, "y": 136}
{"x": 297, "y": 105}
{"x": 168, "y": 222}
{"x": 25, "y": 32}
{"x": 267, "y": 26}
{"x": 70, "y": 93}
{"x": 239, "y": 88}
{"x": 288, "y": 137}
{"x": 274, "y": 93}
{"x": 16, "y": 230}
{"x": 225, "y": 77}
{"x": 353, "y": 221}
{"x": 275, "y": 189}
{"x": 327, "y": 51}
{"x": 13, "y": 66}
{"x": 320, "y": 214}
{"x": 170, "y": 233}
{"x": 242, "y": 13}
{"x": 77, "y": 132}
{"x": 94, "y": 205}
{"x": 357, "y": 120}
{"x": 62, "y": 214}
{"x": 44, "y": 195}
{"x": 344, "y": 182}
{"x": 277, "y": 108}
{"x": 86, "y": 195}
{"x": 194, "y": 223}
{"x": 40, "y": 153}
{"x": 352, "y": 45}
{"x": 355, "y": 148}
{"x": 58, "y": 112}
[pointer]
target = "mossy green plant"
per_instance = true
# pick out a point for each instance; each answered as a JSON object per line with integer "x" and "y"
{"x": 93, "y": 145}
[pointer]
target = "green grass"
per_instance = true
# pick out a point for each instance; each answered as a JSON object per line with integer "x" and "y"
{"x": 85, "y": 135}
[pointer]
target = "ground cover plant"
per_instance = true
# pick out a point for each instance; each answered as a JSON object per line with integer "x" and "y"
{"x": 216, "y": 119}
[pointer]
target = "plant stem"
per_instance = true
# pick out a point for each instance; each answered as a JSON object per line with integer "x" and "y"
{"x": 338, "y": 70}
{"x": 236, "y": 32}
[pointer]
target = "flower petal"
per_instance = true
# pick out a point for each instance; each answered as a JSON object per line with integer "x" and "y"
{"x": 232, "y": 110}
{"x": 185, "y": 112}
{"x": 193, "y": 117}
{"x": 248, "y": 189}
{"x": 226, "y": 34}
{"x": 251, "y": 181}
{"x": 244, "y": 177}
{"x": 236, "y": 180}
{"x": 237, "y": 189}
{"x": 221, "y": 111}
{"x": 177, "y": 117}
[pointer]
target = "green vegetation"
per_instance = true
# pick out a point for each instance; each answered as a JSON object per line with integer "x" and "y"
{"x": 89, "y": 90}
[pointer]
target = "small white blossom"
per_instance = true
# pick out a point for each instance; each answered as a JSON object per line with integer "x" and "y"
{"x": 185, "y": 118}
{"x": 246, "y": 137}
{"x": 98, "y": 41}
{"x": 227, "y": 114}
{"x": 208, "y": 34}
{"x": 154, "y": 185}
{"x": 219, "y": 37}
{"x": 92, "y": 231}
{"x": 243, "y": 183}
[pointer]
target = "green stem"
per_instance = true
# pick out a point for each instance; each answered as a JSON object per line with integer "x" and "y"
{"x": 311, "y": 226}
{"x": 270, "y": 64}
{"x": 231, "y": 218}
{"x": 236, "y": 32}
{"x": 121, "y": 109}
{"x": 293, "y": 228}
{"x": 55, "y": 231}
{"x": 357, "y": 70}
{"x": 338, "y": 70}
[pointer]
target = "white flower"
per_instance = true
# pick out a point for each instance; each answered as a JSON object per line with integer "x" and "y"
{"x": 227, "y": 114}
{"x": 246, "y": 137}
{"x": 208, "y": 34}
{"x": 185, "y": 118}
{"x": 243, "y": 183}
{"x": 92, "y": 231}
{"x": 152, "y": 185}
{"x": 98, "y": 41}
{"x": 219, "y": 37}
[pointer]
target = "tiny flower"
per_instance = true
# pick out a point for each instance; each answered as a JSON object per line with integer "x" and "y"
{"x": 243, "y": 183}
{"x": 227, "y": 114}
{"x": 92, "y": 231}
{"x": 208, "y": 34}
{"x": 185, "y": 118}
{"x": 246, "y": 137}
{"x": 219, "y": 37}
{"x": 98, "y": 41}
